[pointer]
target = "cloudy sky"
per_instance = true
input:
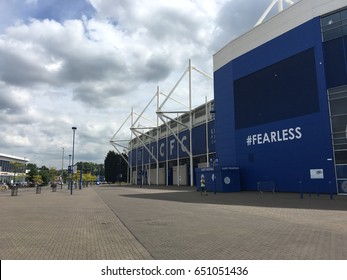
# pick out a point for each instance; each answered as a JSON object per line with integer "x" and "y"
{"x": 86, "y": 63}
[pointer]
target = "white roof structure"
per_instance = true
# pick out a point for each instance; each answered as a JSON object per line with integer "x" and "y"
{"x": 281, "y": 23}
{"x": 13, "y": 158}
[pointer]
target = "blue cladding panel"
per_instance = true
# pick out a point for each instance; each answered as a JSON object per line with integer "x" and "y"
{"x": 199, "y": 140}
{"x": 270, "y": 94}
{"x": 139, "y": 158}
{"x": 335, "y": 52}
{"x": 224, "y": 117}
{"x": 133, "y": 157}
{"x": 295, "y": 135}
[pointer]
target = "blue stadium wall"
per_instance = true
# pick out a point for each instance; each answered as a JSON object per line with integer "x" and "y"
{"x": 168, "y": 149}
{"x": 272, "y": 114}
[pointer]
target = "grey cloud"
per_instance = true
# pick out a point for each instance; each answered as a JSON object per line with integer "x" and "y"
{"x": 157, "y": 68}
{"x": 81, "y": 58}
{"x": 17, "y": 69}
{"x": 235, "y": 18}
{"x": 18, "y": 118}
{"x": 100, "y": 95}
{"x": 173, "y": 25}
{"x": 8, "y": 105}
{"x": 89, "y": 68}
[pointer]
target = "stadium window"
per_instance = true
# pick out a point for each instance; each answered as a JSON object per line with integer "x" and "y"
{"x": 334, "y": 25}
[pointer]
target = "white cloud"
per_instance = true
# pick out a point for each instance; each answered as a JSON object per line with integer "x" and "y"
{"x": 31, "y": 2}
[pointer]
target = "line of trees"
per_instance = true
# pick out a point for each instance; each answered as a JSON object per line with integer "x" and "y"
{"x": 116, "y": 168}
{"x": 44, "y": 175}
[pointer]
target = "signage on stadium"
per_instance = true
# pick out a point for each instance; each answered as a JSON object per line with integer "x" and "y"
{"x": 171, "y": 146}
{"x": 288, "y": 134}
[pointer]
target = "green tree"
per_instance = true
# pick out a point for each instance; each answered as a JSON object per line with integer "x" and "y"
{"x": 45, "y": 175}
{"x": 115, "y": 167}
{"x": 33, "y": 171}
{"x": 123, "y": 168}
{"x": 65, "y": 176}
{"x": 88, "y": 178}
{"x": 91, "y": 167}
{"x": 37, "y": 179}
{"x": 110, "y": 167}
{"x": 53, "y": 174}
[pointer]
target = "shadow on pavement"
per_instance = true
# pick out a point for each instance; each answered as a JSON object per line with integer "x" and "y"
{"x": 256, "y": 199}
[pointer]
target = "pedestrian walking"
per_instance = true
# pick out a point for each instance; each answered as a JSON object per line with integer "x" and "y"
{"x": 203, "y": 184}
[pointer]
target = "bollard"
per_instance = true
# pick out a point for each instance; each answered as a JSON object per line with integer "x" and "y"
{"x": 301, "y": 191}
{"x": 38, "y": 189}
{"x": 331, "y": 192}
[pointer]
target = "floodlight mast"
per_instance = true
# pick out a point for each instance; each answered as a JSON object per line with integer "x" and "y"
{"x": 269, "y": 8}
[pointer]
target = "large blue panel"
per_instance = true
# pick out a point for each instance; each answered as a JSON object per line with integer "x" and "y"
{"x": 224, "y": 117}
{"x": 297, "y": 40}
{"x": 280, "y": 91}
{"x": 335, "y": 52}
{"x": 285, "y": 152}
{"x": 199, "y": 140}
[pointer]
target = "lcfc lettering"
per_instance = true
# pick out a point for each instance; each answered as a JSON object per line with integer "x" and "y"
{"x": 275, "y": 136}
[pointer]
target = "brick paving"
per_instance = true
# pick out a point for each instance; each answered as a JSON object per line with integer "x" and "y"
{"x": 57, "y": 225}
{"x": 178, "y": 223}
{"x": 129, "y": 222}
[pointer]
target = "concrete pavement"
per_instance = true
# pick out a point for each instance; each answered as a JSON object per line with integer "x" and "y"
{"x": 130, "y": 222}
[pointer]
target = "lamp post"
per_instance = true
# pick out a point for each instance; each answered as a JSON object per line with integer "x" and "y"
{"x": 70, "y": 172}
{"x": 73, "y": 154}
{"x": 62, "y": 168}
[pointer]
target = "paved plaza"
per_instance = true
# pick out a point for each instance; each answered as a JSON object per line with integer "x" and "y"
{"x": 170, "y": 223}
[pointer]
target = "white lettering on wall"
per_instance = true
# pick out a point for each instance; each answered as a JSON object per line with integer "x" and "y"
{"x": 172, "y": 145}
{"x": 162, "y": 149}
{"x": 288, "y": 134}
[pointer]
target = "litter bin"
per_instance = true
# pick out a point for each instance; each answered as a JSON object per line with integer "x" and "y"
{"x": 38, "y": 189}
{"x": 14, "y": 191}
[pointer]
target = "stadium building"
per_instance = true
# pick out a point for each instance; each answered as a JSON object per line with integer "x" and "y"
{"x": 281, "y": 100}
{"x": 279, "y": 115}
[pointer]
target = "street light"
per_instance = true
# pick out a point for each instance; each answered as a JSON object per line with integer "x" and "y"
{"x": 73, "y": 153}
{"x": 62, "y": 168}
{"x": 69, "y": 171}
